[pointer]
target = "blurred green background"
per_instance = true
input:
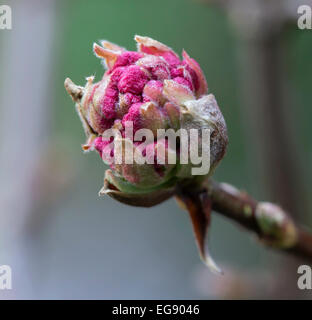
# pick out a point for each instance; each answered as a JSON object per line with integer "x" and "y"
{"x": 60, "y": 238}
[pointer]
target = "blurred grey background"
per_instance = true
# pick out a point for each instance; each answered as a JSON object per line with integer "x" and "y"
{"x": 63, "y": 241}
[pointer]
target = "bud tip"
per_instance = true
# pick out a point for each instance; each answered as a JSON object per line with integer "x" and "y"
{"x": 76, "y": 92}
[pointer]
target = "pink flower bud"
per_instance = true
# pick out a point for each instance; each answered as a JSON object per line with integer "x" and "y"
{"x": 152, "y": 89}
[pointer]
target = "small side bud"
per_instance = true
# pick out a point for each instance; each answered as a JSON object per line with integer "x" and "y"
{"x": 278, "y": 228}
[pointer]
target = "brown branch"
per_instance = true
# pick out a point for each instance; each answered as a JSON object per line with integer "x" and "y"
{"x": 269, "y": 222}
